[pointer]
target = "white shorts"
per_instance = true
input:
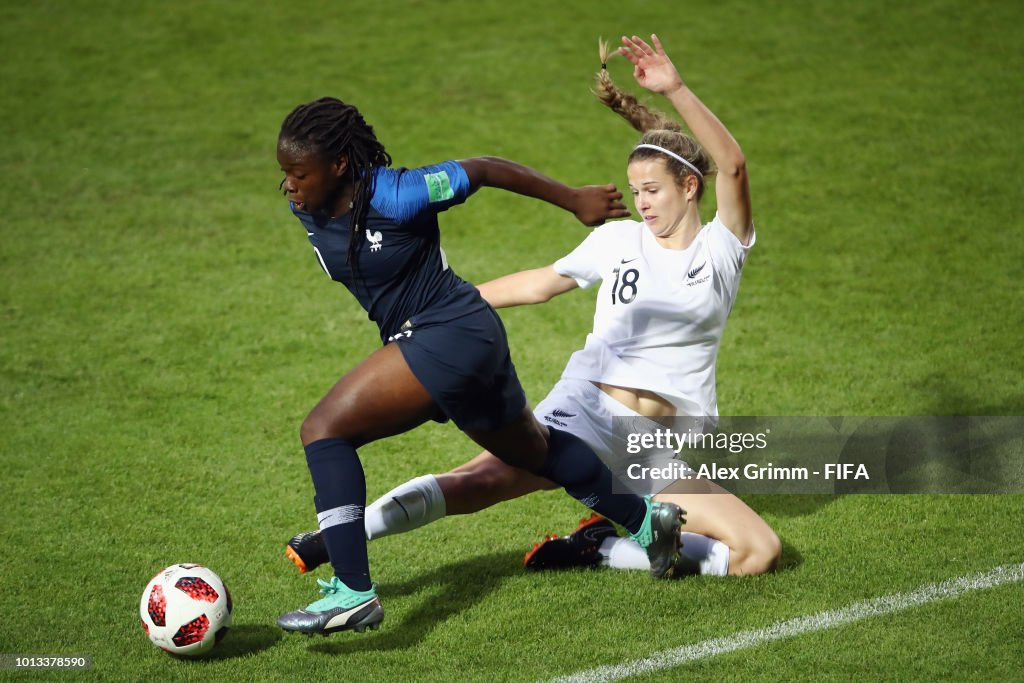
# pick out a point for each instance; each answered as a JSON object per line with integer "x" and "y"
{"x": 604, "y": 424}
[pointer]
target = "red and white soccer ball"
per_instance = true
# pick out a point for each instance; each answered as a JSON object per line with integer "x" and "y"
{"x": 186, "y": 610}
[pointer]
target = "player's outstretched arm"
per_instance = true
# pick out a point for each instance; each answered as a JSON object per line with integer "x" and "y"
{"x": 591, "y": 204}
{"x": 653, "y": 70}
{"x": 526, "y": 287}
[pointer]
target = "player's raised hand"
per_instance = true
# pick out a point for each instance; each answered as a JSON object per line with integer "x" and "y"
{"x": 652, "y": 68}
{"x": 594, "y": 204}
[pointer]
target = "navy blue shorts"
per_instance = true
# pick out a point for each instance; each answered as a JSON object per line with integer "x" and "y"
{"x": 466, "y": 367}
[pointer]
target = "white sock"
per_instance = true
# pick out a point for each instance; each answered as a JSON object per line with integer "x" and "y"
{"x": 702, "y": 554}
{"x": 408, "y": 506}
{"x": 623, "y": 553}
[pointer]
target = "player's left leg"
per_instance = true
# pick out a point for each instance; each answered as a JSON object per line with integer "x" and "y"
{"x": 494, "y": 413}
{"x": 569, "y": 462}
{"x": 722, "y": 535}
{"x": 720, "y": 517}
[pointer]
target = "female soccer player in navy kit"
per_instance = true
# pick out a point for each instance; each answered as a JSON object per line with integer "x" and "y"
{"x": 668, "y": 286}
{"x": 444, "y": 355}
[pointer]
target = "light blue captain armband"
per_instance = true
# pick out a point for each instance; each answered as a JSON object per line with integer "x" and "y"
{"x": 402, "y": 194}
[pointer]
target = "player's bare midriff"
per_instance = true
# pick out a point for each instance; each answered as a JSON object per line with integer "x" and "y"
{"x": 646, "y": 403}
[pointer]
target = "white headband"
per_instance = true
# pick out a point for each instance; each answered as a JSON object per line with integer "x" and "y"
{"x": 675, "y": 156}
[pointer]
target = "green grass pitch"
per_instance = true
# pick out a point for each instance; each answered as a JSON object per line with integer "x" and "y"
{"x": 164, "y": 327}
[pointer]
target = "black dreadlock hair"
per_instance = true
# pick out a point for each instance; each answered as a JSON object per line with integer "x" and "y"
{"x": 331, "y": 129}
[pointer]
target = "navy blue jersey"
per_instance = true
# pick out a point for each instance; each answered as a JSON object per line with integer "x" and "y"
{"x": 402, "y": 274}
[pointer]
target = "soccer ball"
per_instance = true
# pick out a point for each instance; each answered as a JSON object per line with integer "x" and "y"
{"x": 186, "y": 610}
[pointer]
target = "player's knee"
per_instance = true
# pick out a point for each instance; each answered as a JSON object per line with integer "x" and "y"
{"x": 761, "y": 554}
{"x": 312, "y": 429}
{"x": 320, "y": 425}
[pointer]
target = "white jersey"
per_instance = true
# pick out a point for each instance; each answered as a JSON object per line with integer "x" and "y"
{"x": 660, "y": 312}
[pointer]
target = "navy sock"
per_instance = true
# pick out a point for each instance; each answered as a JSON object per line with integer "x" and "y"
{"x": 340, "y": 504}
{"x": 574, "y": 466}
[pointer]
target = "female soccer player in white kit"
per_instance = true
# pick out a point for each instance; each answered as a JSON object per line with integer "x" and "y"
{"x": 668, "y": 284}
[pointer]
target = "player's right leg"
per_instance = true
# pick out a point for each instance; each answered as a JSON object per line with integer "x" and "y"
{"x": 378, "y": 398}
{"x": 485, "y": 481}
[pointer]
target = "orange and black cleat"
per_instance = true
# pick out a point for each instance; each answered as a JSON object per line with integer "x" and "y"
{"x": 578, "y": 549}
{"x": 307, "y": 551}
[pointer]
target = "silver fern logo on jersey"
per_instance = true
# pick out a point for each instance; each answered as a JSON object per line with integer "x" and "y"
{"x": 694, "y": 272}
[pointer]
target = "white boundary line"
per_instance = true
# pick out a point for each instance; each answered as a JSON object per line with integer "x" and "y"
{"x": 887, "y": 604}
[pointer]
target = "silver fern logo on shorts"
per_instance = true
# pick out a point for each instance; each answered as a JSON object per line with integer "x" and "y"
{"x": 554, "y": 415}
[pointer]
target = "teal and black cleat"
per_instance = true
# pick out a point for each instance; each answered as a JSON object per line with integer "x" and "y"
{"x": 578, "y": 549}
{"x": 341, "y": 609}
{"x": 659, "y": 536}
{"x": 307, "y": 551}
